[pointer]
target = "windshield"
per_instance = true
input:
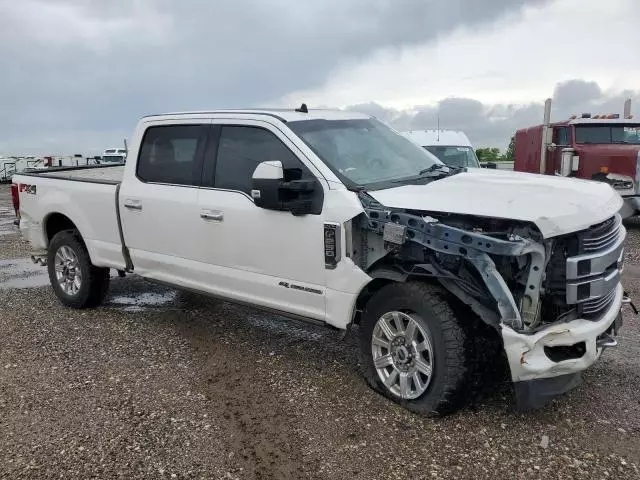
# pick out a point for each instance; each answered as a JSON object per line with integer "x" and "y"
{"x": 603, "y": 134}
{"x": 364, "y": 152}
{"x": 113, "y": 159}
{"x": 455, "y": 156}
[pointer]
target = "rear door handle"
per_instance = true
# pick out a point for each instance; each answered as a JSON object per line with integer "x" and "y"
{"x": 133, "y": 204}
{"x": 213, "y": 215}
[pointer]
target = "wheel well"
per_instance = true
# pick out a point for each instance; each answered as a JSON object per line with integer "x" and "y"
{"x": 57, "y": 222}
{"x": 367, "y": 292}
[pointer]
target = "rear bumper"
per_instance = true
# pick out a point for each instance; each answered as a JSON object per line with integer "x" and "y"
{"x": 535, "y": 357}
{"x": 33, "y": 233}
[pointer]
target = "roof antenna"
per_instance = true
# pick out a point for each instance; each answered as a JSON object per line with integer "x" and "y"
{"x": 303, "y": 108}
{"x": 438, "y": 128}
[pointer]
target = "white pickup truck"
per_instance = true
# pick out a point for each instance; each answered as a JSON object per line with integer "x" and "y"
{"x": 334, "y": 218}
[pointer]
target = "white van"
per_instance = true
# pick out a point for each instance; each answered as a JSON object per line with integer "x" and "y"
{"x": 114, "y": 155}
{"x": 452, "y": 147}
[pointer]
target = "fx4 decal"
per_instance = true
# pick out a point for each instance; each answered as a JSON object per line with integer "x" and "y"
{"x": 30, "y": 189}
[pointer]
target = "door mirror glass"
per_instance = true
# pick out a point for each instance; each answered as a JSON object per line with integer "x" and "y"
{"x": 269, "y": 190}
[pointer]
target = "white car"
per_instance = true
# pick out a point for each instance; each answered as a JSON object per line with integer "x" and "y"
{"x": 452, "y": 147}
{"x": 334, "y": 218}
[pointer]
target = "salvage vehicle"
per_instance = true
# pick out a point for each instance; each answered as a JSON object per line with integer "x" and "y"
{"x": 334, "y": 218}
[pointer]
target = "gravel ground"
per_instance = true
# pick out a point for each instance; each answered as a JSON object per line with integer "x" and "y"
{"x": 159, "y": 384}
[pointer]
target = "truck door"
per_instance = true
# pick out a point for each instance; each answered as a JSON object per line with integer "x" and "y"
{"x": 561, "y": 138}
{"x": 264, "y": 257}
{"x": 158, "y": 202}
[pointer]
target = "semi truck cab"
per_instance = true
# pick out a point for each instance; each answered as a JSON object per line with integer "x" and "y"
{"x": 603, "y": 148}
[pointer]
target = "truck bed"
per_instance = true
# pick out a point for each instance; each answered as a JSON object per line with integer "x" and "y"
{"x": 86, "y": 196}
{"x": 109, "y": 174}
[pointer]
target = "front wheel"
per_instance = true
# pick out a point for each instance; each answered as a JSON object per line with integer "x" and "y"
{"x": 75, "y": 280}
{"x": 414, "y": 349}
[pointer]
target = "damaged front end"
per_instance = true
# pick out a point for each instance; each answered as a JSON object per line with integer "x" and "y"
{"x": 556, "y": 302}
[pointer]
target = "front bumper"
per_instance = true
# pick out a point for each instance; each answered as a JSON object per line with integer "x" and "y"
{"x": 536, "y": 356}
{"x": 631, "y": 206}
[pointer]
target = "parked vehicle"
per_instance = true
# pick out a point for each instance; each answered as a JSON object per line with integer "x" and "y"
{"x": 605, "y": 148}
{"x": 7, "y": 169}
{"x": 452, "y": 147}
{"x": 114, "y": 155}
{"x": 334, "y": 218}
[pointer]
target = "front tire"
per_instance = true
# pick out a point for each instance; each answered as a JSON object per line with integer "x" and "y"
{"x": 76, "y": 281}
{"x": 413, "y": 348}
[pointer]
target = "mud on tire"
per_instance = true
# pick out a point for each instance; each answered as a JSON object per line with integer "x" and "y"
{"x": 452, "y": 349}
{"x": 94, "y": 283}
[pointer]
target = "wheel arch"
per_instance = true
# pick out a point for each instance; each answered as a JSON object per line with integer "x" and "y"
{"x": 382, "y": 275}
{"x": 57, "y": 222}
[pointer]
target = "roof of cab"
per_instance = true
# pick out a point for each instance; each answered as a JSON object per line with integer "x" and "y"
{"x": 426, "y": 138}
{"x": 285, "y": 115}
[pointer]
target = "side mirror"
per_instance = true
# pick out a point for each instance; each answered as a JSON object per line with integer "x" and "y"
{"x": 488, "y": 165}
{"x": 266, "y": 179}
{"x": 270, "y": 191}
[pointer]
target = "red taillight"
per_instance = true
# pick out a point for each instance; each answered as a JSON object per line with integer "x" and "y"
{"x": 15, "y": 196}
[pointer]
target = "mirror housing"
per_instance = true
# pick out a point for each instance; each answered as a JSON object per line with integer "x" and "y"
{"x": 270, "y": 191}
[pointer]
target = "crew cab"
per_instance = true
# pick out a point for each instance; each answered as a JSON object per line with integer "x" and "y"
{"x": 334, "y": 218}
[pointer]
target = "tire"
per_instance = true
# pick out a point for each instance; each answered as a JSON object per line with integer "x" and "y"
{"x": 66, "y": 248}
{"x": 444, "y": 390}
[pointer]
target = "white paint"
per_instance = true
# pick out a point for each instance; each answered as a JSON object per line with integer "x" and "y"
{"x": 526, "y": 356}
{"x": 557, "y": 205}
{"x": 269, "y": 170}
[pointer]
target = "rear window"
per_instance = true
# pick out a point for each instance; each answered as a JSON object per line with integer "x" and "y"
{"x": 172, "y": 154}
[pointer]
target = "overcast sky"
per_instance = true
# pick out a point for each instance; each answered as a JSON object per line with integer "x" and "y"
{"x": 76, "y": 75}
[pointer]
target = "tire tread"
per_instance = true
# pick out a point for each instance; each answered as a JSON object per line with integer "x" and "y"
{"x": 455, "y": 343}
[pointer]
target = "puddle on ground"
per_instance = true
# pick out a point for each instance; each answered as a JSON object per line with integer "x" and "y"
{"x": 7, "y": 216}
{"x": 22, "y": 273}
{"x": 143, "y": 301}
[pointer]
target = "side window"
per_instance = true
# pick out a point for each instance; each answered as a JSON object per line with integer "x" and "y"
{"x": 562, "y": 136}
{"x": 172, "y": 154}
{"x": 240, "y": 151}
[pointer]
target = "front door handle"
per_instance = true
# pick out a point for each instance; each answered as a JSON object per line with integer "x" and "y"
{"x": 213, "y": 215}
{"x": 133, "y": 204}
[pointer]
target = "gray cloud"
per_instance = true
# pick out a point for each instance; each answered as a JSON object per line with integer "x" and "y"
{"x": 96, "y": 66}
{"x": 493, "y": 125}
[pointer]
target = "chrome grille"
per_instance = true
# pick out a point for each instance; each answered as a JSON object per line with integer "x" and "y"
{"x": 602, "y": 236}
{"x": 592, "y": 307}
{"x": 593, "y": 274}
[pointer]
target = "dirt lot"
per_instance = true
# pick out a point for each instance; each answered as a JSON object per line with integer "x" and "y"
{"x": 158, "y": 384}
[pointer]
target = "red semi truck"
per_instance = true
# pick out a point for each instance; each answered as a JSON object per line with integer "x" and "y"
{"x": 605, "y": 148}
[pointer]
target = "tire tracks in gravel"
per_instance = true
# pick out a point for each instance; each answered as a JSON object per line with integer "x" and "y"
{"x": 262, "y": 438}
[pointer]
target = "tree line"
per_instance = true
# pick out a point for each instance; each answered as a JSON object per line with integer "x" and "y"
{"x": 495, "y": 155}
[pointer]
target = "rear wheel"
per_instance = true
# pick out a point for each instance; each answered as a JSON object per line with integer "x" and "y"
{"x": 75, "y": 280}
{"x": 414, "y": 349}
